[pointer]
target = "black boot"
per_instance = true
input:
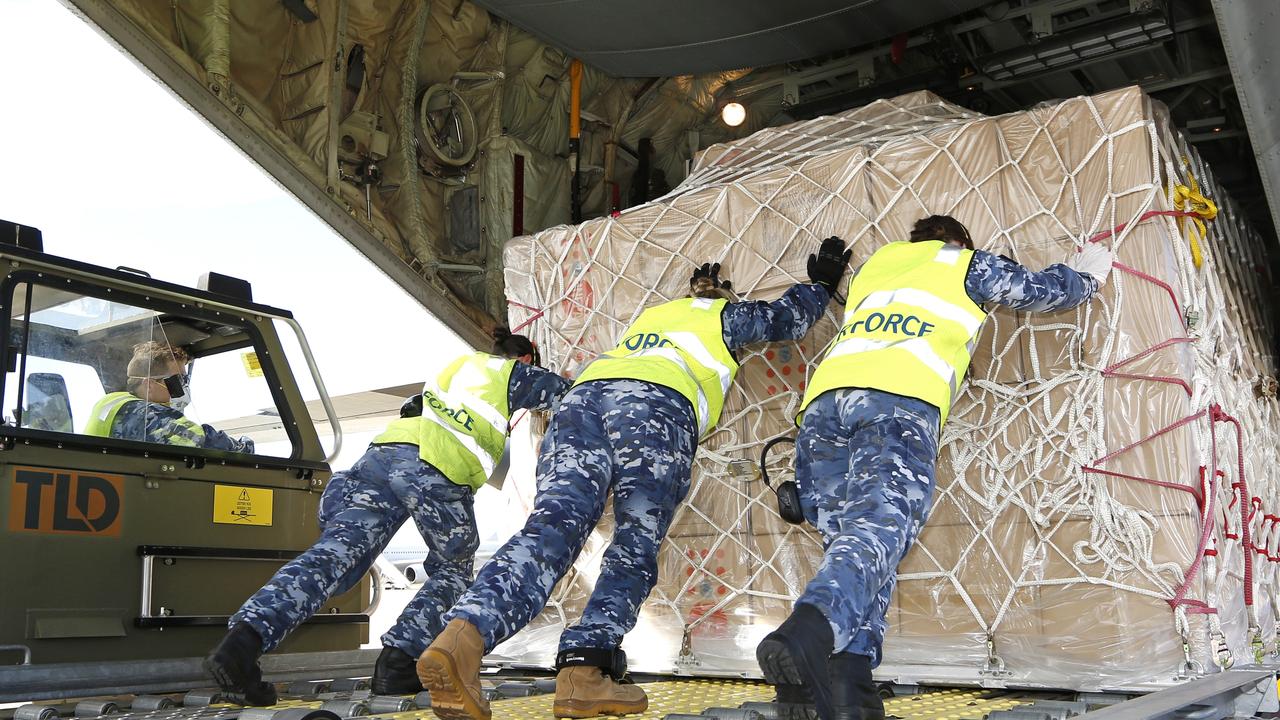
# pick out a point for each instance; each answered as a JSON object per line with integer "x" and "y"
{"x": 798, "y": 653}
{"x": 234, "y": 666}
{"x": 395, "y": 673}
{"x": 795, "y": 702}
{"x": 854, "y": 695}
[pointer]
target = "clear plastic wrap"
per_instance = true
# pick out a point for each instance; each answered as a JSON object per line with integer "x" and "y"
{"x": 1071, "y": 542}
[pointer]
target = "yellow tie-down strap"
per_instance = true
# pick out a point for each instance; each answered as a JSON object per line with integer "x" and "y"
{"x": 1188, "y": 198}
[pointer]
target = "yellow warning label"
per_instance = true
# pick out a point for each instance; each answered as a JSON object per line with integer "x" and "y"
{"x": 251, "y": 365}
{"x": 241, "y": 505}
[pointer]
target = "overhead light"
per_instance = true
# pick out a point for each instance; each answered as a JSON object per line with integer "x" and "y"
{"x": 733, "y": 114}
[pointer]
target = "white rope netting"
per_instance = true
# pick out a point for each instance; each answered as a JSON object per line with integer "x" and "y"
{"x": 1031, "y": 568}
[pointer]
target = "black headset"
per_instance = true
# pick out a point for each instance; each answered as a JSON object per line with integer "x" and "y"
{"x": 788, "y": 493}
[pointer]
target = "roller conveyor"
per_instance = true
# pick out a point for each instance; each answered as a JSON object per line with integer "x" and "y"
{"x": 526, "y": 697}
{"x": 312, "y": 692}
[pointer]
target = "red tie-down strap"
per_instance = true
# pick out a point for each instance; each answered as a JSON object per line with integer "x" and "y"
{"x": 1204, "y": 495}
{"x": 536, "y": 314}
{"x": 1113, "y": 369}
{"x": 1206, "y": 526}
{"x": 1204, "y": 492}
{"x": 1226, "y": 514}
{"x": 1241, "y": 484}
{"x": 1110, "y": 371}
{"x": 1270, "y": 522}
{"x": 1266, "y": 528}
{"x": 1138, "y": 273}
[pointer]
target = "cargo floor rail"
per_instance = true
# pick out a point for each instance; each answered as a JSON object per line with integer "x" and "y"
{"x": 1241, "y": 693}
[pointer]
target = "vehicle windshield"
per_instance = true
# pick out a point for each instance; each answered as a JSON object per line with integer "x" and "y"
{"x": 102, "y": 367}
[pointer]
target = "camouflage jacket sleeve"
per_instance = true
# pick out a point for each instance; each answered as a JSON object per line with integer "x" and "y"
{"x": 534, "y": 388}
{"x": 156, "y": 423}
{"x": 218, "y": 440}
{"x": 787, "y": 318}
{"x": 1000, "y": 280}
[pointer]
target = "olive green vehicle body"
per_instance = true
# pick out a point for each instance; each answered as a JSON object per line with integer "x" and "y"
{"x": 146, "y": 573}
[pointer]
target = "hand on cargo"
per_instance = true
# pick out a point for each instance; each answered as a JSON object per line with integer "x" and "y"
{"x": 707, "y": 277}
{"x": 646, "y": 402}
{"x": 706, "y": 283}
{"x": 1093, "y": 260}
{"x": 870, "y": 419}
{"x": 827, "y": 266}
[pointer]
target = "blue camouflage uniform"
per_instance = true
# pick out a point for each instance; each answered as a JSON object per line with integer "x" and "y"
{"x": 156, "y": 423}
{"x": 362, "y": 508}
{"x": 865, "y": 462}
{"x": 635, "y": 439}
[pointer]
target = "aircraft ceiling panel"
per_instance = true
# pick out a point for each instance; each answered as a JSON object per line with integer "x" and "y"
{"x": 675, "y": 37}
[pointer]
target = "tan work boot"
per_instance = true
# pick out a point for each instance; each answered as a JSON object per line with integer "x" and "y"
{"x": 450, "y": 670}
{"x": 583, "y": 691}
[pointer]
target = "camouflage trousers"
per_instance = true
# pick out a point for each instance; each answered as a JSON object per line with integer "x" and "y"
{"x": 360, "y": 511}
{"x": 634, "y": 440}
{"x": 865, "y": 464}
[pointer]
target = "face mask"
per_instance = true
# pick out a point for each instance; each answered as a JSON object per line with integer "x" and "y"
{"x": 175, "y": 385}
{"x": 179, "y": 391}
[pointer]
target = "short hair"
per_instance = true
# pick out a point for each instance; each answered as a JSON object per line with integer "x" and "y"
{"x": 941, "y": 227}
{"x": 146, "y": 357}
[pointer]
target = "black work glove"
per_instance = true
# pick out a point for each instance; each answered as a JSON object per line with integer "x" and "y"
{"x": 412, "y": 407}
{"x": 708, "y": 274}
{"x": 827, "y": 267}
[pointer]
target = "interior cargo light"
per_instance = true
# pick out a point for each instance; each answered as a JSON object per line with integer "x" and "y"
{"x": 733, "y": 114}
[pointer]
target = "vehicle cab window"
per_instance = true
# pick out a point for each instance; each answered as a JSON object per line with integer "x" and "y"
{"x": 95, "y": 364}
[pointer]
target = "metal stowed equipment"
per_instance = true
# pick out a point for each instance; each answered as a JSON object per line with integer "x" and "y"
{"x": 446, "y": 127}
{"x": 787, "y": 492}
{"x": 135, "y": 538}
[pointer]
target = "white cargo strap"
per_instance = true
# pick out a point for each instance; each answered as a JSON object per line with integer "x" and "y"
{"x": 487, "y": 461}
{"x": 918, "y": 347}
{"x": 671, "y": 354}
{"x": 925, "y": 301}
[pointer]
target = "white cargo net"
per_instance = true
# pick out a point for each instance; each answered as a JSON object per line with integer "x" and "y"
{"x": 1067, "y": 544}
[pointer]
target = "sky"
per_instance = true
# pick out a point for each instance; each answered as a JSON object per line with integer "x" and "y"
{"x": 116, "y": 171}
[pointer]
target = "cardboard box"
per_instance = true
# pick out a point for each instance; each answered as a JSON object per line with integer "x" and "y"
{"x": 1068, "y": 572}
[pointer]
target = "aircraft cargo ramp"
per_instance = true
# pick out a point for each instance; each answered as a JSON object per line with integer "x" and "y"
{"x": 515, "y": 696}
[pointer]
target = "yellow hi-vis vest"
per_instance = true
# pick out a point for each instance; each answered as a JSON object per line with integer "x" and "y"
{"x": 103, "y": 417}
{"x": 465, "y": 419}
{"x": 680, "y": 345}
{"x": 909, "y": 326}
